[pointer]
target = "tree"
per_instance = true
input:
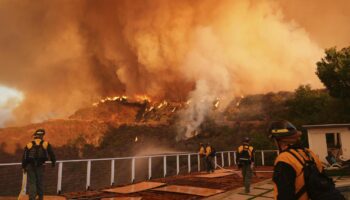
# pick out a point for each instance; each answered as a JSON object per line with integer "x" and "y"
{"x": 334, "y": 72}
{"x": 308, "y": 106}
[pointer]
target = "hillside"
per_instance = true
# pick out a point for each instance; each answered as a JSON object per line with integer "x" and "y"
{"x": 118, "y": 126}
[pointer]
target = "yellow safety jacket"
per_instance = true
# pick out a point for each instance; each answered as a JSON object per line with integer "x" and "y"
{"x": 208, "y": 150}
{"x": 37, "y": 142}
{"x": 289, "y": 159}
{"x": 202, "y": 151}
{"x": 249, "y": 148}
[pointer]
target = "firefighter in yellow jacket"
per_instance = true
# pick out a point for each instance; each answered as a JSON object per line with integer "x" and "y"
{"x": 209, "y": 155}
{"x": 36, "y": 153}
{"x": 245, "y": 160}
{"x": 202, "y": 155}
{"x": 288, "y": 177}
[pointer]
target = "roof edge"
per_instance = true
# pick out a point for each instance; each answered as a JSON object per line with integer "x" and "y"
{"x": 326, "y": 126}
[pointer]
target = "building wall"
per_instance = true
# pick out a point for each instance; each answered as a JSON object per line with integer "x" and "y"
{"x": 317, "y": 141}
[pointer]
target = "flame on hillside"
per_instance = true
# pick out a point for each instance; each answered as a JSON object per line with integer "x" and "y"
{"x": 142, "y": 98}
{"x": 216, "y": 103}
{"x": 137, "y": 98}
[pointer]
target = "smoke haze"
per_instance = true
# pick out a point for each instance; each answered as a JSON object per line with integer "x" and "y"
{"x": 63, "y": 55}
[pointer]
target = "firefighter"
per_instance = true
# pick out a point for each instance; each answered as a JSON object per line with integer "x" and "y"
{"x": 209, "y": 155}
{"x": 35, "y": 154}
{"x": 245, "y": 160}
{"x": 296, "y": 164}
{"x": 202, "y": 155}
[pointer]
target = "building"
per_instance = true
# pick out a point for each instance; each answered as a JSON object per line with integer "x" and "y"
{"x": 329, "y": 137}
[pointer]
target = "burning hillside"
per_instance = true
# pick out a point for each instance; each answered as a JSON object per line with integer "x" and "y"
{"x": 62, "y": 56}
{"x": 94, "y": 121}
{"x": 129, "y": 110}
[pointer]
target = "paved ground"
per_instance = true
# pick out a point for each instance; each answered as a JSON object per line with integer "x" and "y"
{"x": 225, "y": 183}
{"x": 264, "y": 190}
{"x": 261, "y": 189}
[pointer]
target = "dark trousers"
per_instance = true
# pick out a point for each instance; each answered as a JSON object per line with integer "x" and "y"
{"x": 210, "y": 163}
{"x": 247, "y": 176}
{"x": 35, "y": 181}
{"x": 203, "y": 162}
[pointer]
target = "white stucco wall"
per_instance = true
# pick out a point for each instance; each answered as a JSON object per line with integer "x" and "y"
{"x": 317, "y": 141}
{"x": 345, "y": 136}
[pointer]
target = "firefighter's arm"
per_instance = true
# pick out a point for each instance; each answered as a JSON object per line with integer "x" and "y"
{"x": 24, "y": 159}
{"x": 253, "y": 153}
{"x": 284, "y": 178}
{"x": 51, "y": 154}
{"x": 237, "y": 157}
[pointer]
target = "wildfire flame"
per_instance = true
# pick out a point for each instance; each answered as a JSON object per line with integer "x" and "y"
{"x": 138, "y": 98}
{"x": 216, "y": 103}
{"x": 114, "y": 98}
{"x": 239, "y": 101}
{"x": 142, "y": 98}
{"x": 164, "y": 103}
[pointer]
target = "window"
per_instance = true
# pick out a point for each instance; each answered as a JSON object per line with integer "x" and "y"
{"x": 333, "y": 140}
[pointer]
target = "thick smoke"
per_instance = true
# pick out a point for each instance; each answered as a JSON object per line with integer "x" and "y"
{"x": 64, "y": 55}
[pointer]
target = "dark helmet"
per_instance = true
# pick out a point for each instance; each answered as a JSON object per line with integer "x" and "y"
{"x": 282, "y": 129}
{"x": 246, "y": 139}
{"x": 39, "y": 133}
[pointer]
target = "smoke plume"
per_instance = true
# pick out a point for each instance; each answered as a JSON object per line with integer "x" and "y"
{"x": 63, "y": 55}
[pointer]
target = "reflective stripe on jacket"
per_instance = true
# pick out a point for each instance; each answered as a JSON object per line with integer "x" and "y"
{"x": 289, "y": 159}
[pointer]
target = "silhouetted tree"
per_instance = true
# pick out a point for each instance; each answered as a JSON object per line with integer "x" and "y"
{"x": 334, "y": 72}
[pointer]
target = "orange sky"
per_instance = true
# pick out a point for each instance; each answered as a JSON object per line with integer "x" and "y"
{"x": 64, "y": 55}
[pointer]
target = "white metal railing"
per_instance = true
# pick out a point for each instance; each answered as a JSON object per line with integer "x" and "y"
{"x": 149, "y": 157}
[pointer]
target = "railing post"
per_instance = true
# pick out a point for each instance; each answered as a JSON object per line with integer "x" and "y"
{"x": 234, "y": 157}
{"x": 216, "y": 162}
{"x": 262, "y": 158}
{"x": 278, "y": 152}
{"x": 164, "y": 164}
{"x": 59, "y": 179}
{"x": 189, "y": 163}
{"x": 229, "y": 158}
{"x": 132, "y": 170}
{"x": 177, "y": 164}
{"x": 112, "y": 171}
{"x": 88, "y": 175}
{"x": 222, "y": 159}
{"x": 149, "y": 168}
{"x": 199, "y": 162}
